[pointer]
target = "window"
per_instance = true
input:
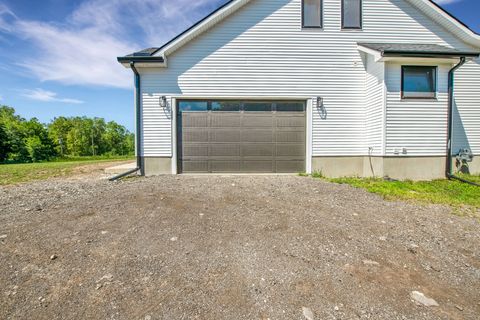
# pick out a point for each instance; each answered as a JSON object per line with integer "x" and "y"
{"x": 290, "y": 106}
{"x": 192, "y": 106}
{"x": 257, "y": 106}
{"x": 226, "y": 106}
{"x": 419, "y": 82}
{"x": 351, "y": 14}
{"x": 312, "y": 13}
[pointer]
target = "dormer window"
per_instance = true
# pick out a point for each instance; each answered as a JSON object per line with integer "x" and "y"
{"x": 351, "y": 14}
{"x": 312, "y": 13}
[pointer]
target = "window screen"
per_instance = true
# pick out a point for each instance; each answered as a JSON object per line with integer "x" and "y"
{"x": 312, "y": 13}
{"x": 419, "y": 82}
{"x": 351, "y": 14}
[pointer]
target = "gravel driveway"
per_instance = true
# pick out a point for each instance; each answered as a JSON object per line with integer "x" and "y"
{"x": 230, "y": 247}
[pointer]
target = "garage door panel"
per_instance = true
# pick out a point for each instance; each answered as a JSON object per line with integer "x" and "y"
{"x": 195, "y": 166}
{"x": 257, "y": 120}
{"x": 258, "y": 149}
{"x": 225, "y": 135}
{"x": 195, "y": 135}
{"x": 290, "y": 136}
{"x": 222, "y": 149}
{"x": 195, "y": 120}
{"x": 290, "y": 150}
{"x": 225, "y": 120}
{"x": 195, "y": 150}
{"x": 264, "y": 166}
{"x": 257, "y": 136}
{"x": 224, "y": 165}
{"x": 292, "y": 122}
{"x": 289, "y": 166}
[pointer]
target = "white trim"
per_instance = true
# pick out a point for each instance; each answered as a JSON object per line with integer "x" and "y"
{"x": 384, "y": 110}
{"x": 232, "y": 97}
{"x": 309, "y": 132}
{"x": 376, "y": 55}
{"x": 447, "y": 21}
{"x": 308, "y": 115}
{"x": 173, "y": 109}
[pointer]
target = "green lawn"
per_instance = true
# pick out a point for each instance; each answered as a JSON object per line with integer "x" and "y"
{"x": 20, "y": 173}
{"x": 454, "y": 193}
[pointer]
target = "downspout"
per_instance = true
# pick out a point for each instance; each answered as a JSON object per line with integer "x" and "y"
{"x": 451, "y": 80}
{"x": 138, "y": 115}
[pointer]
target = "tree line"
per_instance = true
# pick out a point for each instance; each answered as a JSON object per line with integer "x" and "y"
{"x": 24, "y": 140}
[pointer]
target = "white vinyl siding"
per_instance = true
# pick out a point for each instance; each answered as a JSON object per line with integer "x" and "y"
{"x": 262, "y": 50}
{"x": 466, "y": 113}
{"x": 375, "y": 106}
{"x": 418, "y": 125}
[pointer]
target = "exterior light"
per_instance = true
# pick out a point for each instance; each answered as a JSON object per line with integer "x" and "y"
{"x": 319, "y": 102}
{"x": 163, "y": 102}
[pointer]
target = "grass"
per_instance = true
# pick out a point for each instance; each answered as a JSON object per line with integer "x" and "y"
{"x": 448, "y": 192}
{"x": 21, "y": 173}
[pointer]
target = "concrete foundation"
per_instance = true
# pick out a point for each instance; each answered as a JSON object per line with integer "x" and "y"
{"x": 153, "y": 166}
{"x": 402, "y": 168}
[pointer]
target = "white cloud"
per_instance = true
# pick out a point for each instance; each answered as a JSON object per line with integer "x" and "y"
{"x": 6, "y": 15}
{"x": 83, "y": 48}
{"x": 443, "y": 2}
{"x": 48, "y": 96}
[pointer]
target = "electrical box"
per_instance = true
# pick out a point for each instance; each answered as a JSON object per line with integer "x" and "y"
{"x": 465, "y": 155}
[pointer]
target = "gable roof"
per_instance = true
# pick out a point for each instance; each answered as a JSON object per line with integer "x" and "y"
{"x": 428, "y": 7}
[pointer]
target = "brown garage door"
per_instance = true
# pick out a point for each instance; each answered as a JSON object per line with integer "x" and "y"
{"x": 241, "y": 136}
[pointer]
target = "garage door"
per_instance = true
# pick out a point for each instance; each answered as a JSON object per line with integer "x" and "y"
{"x": 241, "y": 136}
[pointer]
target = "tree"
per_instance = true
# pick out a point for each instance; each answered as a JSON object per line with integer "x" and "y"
{"x": 58, "y": 131}
{"x": 15, "y": 133}
{"x": 24, "y": 140}
{"x": 37, "y": 141}
{"x": 4, "y": 143}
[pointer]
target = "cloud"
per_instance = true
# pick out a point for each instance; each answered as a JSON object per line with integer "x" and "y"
{"x": 443, "y": 2}
{"x": 82, "y": 49}
{"x": 6, "y": 15}
{"x": 48, "y": 96}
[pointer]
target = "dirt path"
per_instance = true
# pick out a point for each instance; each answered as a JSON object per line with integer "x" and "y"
{"x": 233, "y": 247}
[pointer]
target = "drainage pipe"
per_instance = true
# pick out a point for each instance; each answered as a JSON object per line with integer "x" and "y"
{"x": 138, "y": 115}
{"x": 451, "y": 80}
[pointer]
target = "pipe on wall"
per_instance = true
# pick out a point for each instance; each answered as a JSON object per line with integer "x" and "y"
{"x": 451, "y": 81}
{"x": 138, "y": 131}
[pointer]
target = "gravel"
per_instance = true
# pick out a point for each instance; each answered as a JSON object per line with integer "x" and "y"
{"x": 230, "y": 247}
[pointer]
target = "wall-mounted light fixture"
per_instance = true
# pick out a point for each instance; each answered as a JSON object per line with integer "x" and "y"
{"x": 321, "y": 108}
{"x": 319, "y": 102}
{"x": 163, "y": 102}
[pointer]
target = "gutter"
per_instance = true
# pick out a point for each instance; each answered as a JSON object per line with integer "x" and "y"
{"x": 138, "y": 115}
{"x": 451, "y": 79}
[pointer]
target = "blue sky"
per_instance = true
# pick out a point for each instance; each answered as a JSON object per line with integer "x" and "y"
{"x": 58, "y": 57}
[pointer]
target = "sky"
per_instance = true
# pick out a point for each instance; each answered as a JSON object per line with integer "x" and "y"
{"x": 58, "y": 57}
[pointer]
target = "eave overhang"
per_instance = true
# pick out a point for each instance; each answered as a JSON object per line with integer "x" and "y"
{"x": 391, "y": 51}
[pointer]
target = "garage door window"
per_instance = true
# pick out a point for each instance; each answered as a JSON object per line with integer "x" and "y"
{"x": 237, "y": 106}
{"x": 290, "y": 106}
{"x": 193, "y": 106}
{"x": 226, "y": 106}
{"x": 257, "y": 106}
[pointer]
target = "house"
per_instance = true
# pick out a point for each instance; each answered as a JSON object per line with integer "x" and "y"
{"x": 345, "y": 87}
